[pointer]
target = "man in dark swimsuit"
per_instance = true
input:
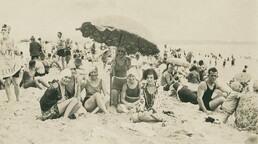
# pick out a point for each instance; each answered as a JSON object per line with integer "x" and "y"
{"x": 205, "y": 92}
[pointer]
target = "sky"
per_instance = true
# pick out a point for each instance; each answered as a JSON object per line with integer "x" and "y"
{"x": 162, "y": 20}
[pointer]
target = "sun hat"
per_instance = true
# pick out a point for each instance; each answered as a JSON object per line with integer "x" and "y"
{"x": 133, "y": 71}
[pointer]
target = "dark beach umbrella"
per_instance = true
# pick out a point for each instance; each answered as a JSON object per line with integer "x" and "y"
{"x": 112, "y": 36}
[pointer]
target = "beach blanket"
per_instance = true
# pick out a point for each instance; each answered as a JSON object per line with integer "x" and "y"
{"x": 247, "y": 113}
{"x": 9, "y": 65}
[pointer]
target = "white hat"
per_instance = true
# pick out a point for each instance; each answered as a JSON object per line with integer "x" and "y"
{"x": 64, "y": 73}
{"x": 134, "y": 72}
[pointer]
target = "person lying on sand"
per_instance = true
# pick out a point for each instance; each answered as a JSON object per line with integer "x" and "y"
{"x": 184, "y": 94}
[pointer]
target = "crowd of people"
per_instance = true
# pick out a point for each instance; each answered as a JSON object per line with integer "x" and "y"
{"x": 135, "y": 85}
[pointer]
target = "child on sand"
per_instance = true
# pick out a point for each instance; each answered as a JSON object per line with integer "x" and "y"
{"x": 230, "y": 104}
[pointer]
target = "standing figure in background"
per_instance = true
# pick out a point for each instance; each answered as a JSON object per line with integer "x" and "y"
{"x": 60, "y": 45}
{"x": 35, "y": 48}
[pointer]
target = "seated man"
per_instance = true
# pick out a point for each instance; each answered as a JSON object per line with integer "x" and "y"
{"x": 205, "y": 92}
{"x": 28, "y": 79}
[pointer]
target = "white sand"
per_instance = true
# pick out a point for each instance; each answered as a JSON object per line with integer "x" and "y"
{"x": 18, "y": 124}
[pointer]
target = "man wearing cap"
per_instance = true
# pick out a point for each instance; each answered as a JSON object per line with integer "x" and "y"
{"x": 35, "y": 49}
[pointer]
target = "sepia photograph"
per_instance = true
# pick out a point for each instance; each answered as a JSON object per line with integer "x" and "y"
{"x": 129, "y": 72}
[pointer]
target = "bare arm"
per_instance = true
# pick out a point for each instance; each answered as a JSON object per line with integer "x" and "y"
{"x": 77, "y": 93}
{"x": 168, "y": 80}
{"x": 104, "y": 88}
{"x": 200, "y": 91}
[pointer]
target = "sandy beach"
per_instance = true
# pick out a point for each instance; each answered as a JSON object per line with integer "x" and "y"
{"x": 187, "y": 125}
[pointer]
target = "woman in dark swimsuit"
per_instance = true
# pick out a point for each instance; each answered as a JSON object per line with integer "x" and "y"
{"x": 130, "y": 94}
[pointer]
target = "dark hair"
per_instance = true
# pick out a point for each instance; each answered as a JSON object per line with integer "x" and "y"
{"x": 193, "y": 68}
{"x": 201, "y": 62}
{"x": 32, "y": 63}
{"x": 194, "y": 61}
{"x": 49, "y": 54}
{"x": 60, "y": 33}
{"x": 213, "y": 69}
{"x": 149, "y": 72}
{"x": 166, "y": 67}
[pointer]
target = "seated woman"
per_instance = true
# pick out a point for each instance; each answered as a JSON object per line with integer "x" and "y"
{"x": 93, "y": 100}
{"x": 150, "y": 89}
{"x": 28, "y": 78}
{"x": 130, "y": 94}
{"x": 168, "y": 77}
{"x": 149, "y": 92}
{"x": 54, "y": 104}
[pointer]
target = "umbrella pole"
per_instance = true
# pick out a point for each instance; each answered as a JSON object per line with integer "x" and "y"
{"x": 110, "y": 89}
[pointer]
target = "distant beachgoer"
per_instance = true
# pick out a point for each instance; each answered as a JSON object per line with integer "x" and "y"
{"x": 205, "y": 92}
{"x": 168, "y": 77}
{"x": 60, "y": 45}
{"x": 35, "y": 48}
{"x": 119, "y": 68}
{"x": 233, "y": 61}
{"x": 28, "y": 79}
{"x": 230, "y": 104}
{"x": 193, "y": 76}
{"x": 224, "y": 63}
{"x": 8, "y": 55}
{"x": 184, "y": 94}
{"x": 42, "y": 58}
{"x": 201, "y": 69}
{"x": 95, "y": 92}
{"x": 54, "y": 104}
{"x": 68, "y": 49}
{"x": 245, "y": 69}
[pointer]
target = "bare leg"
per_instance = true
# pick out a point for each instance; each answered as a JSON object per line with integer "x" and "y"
{"x": 63, "y": 62}
{"x": 7, "y": 84}
{"x": 63, "y": 105}
{"x": 114, "y": 97}
{"x": 16, "y": 88}
{"x": 94, "y": 103}
{"x": 225, "y": 118}
{"x": 43, "y": 83}
{"x": 101, "y": 103}
{"x": 72, "y": 107}
{"x": 216, "y": 102}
